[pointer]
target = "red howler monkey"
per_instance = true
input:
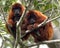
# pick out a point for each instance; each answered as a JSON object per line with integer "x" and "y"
{"x": 14, "y": 15}
{"x": 32, "y": 19}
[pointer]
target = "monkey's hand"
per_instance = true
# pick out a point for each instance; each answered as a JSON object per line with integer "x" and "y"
{"x": 35, "y": 25}
{"x": 30, "y": 27}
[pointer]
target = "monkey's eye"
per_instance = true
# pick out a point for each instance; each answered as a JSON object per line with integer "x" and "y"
{"x": 16, "y": 9}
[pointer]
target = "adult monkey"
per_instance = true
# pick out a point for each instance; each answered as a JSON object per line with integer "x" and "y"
{"x": 32, "y": 20}
{"x": 14, "y": 16}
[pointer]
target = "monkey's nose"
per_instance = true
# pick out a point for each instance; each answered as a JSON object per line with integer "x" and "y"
{"x": 16, "y": 12}
{"x": 32, "y": 21}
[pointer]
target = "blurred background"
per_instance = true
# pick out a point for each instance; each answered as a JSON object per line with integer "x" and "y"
{"x": 50, "y": 8}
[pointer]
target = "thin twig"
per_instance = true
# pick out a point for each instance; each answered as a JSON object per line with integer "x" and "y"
{"x": 2, "y": 10}
{"x": 45, "y": 42}
{"x": 48, "y": 10}
{"x": 15, "y": 44}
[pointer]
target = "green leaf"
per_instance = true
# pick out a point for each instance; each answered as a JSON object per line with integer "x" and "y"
{"x": 35, "y": 2}
{"x": 8, "y": 3}
{"x": 56, "y": 22}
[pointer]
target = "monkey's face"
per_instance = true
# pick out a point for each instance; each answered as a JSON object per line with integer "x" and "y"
{"x": 17, "y": 13}
{"x": 31, "y": 19}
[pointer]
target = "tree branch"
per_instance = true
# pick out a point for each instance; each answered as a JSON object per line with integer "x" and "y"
{"x": 18, "y": 25}
{"x": 45, "y": 42}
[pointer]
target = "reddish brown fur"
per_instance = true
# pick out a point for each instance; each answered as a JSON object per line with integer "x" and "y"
{"x": 11, "y": 13}
{"x": 46, "y": 31}
{"x": 10, "y": 23}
